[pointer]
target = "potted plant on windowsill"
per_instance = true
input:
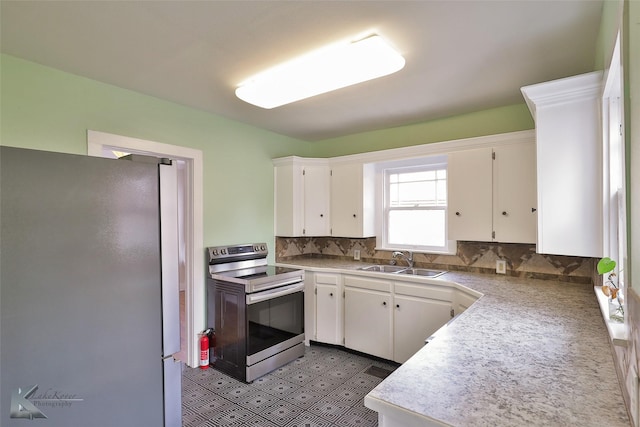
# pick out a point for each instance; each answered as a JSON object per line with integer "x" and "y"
{"x": 611, "y": 290}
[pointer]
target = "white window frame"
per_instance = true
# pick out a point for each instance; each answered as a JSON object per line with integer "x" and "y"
{"x": 614, "y": 176}
{"x": 383, "y": 169}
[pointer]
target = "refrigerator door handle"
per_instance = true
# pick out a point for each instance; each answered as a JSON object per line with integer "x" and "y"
{"x": 170, "y": 258}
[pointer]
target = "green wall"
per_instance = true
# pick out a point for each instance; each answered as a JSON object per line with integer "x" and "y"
{"x": 47, "y": 109}
{"x": 488, "y": 122}
{"x": 609, "y": 25}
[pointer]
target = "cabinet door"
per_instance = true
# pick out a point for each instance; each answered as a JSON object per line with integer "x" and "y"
{"x": 328, "y": 327}
{"x": 367, "y": 322}
{"x": 288, "y": 191}
{"x": 569, "y": 164}
{"x": 514, "y": 172}
{"x": 352, "y": 200}
{"x": 316, "y": 200}
{"x": 469, "y": 210}
{"x": 346, "y": 190}
{"x": 415, "y": 319}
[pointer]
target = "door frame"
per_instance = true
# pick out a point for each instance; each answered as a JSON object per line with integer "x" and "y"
{"x": 97, "y": 142}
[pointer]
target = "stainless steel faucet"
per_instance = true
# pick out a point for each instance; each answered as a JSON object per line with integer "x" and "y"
{"x": 408, "y": 258}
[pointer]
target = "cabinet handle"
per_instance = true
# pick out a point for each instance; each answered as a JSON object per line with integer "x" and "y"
{"x": 504, "y": 213}
{"x": 321, "y": 215}
{"x": 533, "y": 210}
{"x": 354, "y": 215}
{"x": 331, "y": 294}
{"x": 457, "y": 213}
{"x": 384, "y": 303}
{"x": 397, "y": 305}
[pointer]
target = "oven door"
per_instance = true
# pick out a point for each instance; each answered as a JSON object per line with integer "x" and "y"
{"x": 275, "y": 321}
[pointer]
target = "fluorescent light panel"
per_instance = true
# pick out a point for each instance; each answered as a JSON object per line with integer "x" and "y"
{"x": 321, "y": 71}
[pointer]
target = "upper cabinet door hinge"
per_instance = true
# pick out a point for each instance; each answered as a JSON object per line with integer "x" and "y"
{"x": 493, "y": 155}
{"x": 493, "y": 234}
{"x": 315, "y": 291}
{"x": 620, "y": 129}
{"x": 304, "y": 171}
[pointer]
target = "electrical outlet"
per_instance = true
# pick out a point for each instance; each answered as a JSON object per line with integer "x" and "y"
{"x": 501, "y": 266}
{"x": 356, "y": 254}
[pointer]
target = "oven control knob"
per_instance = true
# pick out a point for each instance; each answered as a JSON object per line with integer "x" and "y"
{"x": 223, "y": 251}
{"x": 263, "y": 247}
{"x": 215, "y": 252}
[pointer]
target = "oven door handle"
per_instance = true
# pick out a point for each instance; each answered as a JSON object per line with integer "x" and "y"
{"x": 275, "y": 293}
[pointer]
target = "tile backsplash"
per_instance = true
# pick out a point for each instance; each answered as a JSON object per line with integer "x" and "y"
{"x": 521, "y": 259}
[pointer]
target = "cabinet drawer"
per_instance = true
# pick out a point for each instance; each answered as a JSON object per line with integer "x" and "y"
{"x": 439, "y": 292}
{"x": 326, "y": 279}
{"x": 366, "y": 283}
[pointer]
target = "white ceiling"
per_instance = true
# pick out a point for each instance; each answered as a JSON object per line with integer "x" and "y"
{"x": 461, "y": 56}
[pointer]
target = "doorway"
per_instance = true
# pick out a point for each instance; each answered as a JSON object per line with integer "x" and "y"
{"x": 190, "y": 184}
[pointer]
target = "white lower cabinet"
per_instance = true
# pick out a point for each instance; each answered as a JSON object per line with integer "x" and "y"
{"x": 328, "y": 308}
{"x": 418, "y": 312}
{"x": 368, "y": 316}
{"x": 383, "y": 318}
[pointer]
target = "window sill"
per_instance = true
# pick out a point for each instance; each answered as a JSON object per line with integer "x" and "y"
{"x": 619, "y": 332}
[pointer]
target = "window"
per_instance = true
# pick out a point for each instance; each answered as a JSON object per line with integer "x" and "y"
{"x": 615, "y": 218}
{"x": 415, "y": 205}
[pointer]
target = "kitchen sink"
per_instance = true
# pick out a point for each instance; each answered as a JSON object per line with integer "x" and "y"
{"x": 395, "y": 269}
{"x": 422, "y": 272}
{"x": 384, "y": 268}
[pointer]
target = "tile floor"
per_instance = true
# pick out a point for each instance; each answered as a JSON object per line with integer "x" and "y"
{"x": 324, "y": 388}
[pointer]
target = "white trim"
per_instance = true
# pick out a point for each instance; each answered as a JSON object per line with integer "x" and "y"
{"x": 195, "y": 290}
{"x": 562, "y": 91}
{"x": 422, "y": 150}
{"x": 435, "y": 148}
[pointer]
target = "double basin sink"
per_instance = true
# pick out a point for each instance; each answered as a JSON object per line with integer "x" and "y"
{"x": 395, "y": 269}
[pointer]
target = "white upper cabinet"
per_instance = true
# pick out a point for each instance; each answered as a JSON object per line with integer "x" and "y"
{"x": 569, "y": 159}
{"x": 469, "y": 209}
{"x": 317, "y": 185}
{"x": 514, "y": 189}
{"x": 492, "y": 194}
{"x": 352, "y": 200}
{"x": 288, "y": 198}
{"x": 301, "y": 190}
{"x": 491, "y": 190}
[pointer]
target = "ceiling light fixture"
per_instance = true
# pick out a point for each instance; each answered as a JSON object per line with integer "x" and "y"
{"x": 330, "y": 68}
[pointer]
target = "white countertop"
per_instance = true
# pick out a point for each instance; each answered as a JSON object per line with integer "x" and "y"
{"x": 528, "y": 353}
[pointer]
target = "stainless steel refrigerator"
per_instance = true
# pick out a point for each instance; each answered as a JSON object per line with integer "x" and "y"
{"x": 89, "y": 315}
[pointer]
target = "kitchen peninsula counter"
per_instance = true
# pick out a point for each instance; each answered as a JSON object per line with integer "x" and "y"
{"x": 529, "y": 352}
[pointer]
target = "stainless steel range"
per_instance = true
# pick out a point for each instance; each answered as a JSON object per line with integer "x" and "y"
{"x": 256, "y": 310}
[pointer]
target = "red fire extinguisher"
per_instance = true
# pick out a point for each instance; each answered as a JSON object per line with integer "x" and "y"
{"x": 204, "y": 350}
